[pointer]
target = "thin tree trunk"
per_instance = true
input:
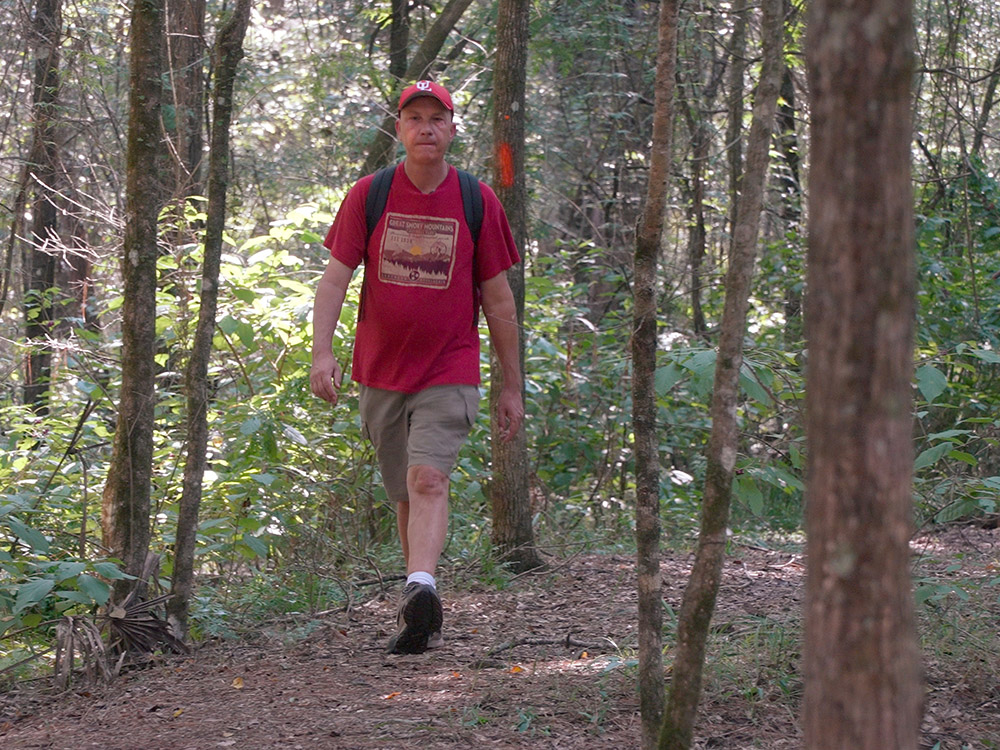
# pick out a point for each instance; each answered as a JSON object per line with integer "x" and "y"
{"x": 382, "y": 147}
{"x": 646, "y": 444}
{"x": 399, "y": 37}
{"x": 703, "y": 586}
{"x": 228, "y": 53}
{"x": 734, "y": 128}
{"x": 989, "y": 99}
{"x": 186, "y": 59}
{"x": 43, "y": 175}
{"x": 513, "y": 536}
{"x": 861, "y": 658}
{"x": 125, "y": 508}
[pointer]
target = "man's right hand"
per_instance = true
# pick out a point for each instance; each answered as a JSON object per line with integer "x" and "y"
{"x": 325, "y": 377}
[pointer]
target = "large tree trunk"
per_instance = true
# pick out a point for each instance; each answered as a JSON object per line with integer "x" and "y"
{"x": 861, "y": 659}
{"x": 382, "y": 147}
{"x": 42, "y": 184}
{"x": 513, "y": 537}
{"x": 228, "y": 53}
{"x": 703, "y": 586}
{"x": 646, "y": 445}
{"x": 125, "y": 510}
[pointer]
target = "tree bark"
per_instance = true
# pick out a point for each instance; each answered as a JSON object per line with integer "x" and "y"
{"x": 702, "y": 588}
{"x": 646, "y": 444}
{"x": 227, "y": 55}
{"x": 383, "y": 146}
{"x": 186, "y": 58}
{"x": 43, "y": 177}
{"x": 734, "y": 126}
{"x": 126, "y": 501}
{"x": 513, "y": 536}
{"x": 861, "y": 659}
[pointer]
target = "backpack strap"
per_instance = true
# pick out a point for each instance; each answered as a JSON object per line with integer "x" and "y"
{"x": 472, "y": 202}
{"x": 378, "y": 194}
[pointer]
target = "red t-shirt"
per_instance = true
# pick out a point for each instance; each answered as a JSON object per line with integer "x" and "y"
{"x": 419, "y": 324}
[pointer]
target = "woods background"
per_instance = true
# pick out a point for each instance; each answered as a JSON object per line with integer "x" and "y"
{"x": 290, "y": 508}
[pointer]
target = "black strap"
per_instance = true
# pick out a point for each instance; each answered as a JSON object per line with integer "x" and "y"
{"x": 378, "y": 194}
{"x": 472, "y": 202}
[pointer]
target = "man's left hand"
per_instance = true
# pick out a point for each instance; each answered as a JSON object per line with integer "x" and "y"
{"x": 510, "y": 413}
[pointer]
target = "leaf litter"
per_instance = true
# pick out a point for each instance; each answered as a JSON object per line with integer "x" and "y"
{"x": 548, "y": 662}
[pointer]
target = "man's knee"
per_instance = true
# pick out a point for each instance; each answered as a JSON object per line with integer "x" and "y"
{"x": 426, "y": 480}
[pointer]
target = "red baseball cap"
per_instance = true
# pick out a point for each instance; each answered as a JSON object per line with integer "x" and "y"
{"x": 426, "y": 88}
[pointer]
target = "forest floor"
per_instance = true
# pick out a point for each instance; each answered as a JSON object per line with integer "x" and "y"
{"x": 547, "y": 662}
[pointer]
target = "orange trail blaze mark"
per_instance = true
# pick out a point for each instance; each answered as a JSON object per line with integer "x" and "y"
{"x": 506, "y": 158}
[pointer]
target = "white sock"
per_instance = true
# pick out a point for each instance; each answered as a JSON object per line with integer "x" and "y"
{"x": 421, "y": 576}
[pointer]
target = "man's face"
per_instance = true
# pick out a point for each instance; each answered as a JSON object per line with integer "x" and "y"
{"x": 426, "y": 129}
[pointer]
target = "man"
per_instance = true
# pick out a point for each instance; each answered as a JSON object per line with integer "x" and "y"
{"x": 416, "y": 350}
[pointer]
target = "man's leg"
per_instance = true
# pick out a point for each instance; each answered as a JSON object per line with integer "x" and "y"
{"x": 423, "y": 527}
{"x": 423, "y": 521}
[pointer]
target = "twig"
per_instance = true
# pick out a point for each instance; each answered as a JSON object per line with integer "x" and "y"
{"x": 567, "y": 642}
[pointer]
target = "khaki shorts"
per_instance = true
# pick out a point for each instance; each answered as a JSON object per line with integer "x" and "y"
{"x": 426, "y": 428}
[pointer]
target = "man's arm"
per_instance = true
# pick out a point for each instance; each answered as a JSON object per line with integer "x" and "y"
{"x": 325, "y": 375}
{"x": 501, "y": 318}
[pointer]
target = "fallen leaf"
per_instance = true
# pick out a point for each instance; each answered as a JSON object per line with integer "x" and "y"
{"x": 178, "y": 712}
{"x": 390, "y": 696}
{"x": 515, "y": 669}
{"x": 238, "y": 683}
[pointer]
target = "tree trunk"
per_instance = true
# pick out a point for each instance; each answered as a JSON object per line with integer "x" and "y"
{"x": 734, "y": 127}
{"x": 513, "y": 536}
{"x": 43, "y": 177}
{"x": 228, "y": 53}
{"x": 186, "y": 60}
{"x": 703, "y": 586}
{"x": 383, "y": 146}
{"x": 646, "y": 447}
{"x": 399, "y": 38}
{"x": 126, "y": 502}
{"x": 861, "y": 659}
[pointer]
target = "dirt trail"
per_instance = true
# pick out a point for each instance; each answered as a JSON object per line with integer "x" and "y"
{"x": 544, "y": 664}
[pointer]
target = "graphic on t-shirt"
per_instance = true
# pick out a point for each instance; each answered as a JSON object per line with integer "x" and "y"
{"x": 418, "y": 250}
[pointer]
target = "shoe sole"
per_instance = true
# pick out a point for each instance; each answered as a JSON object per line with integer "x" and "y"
{"x": 423, "y": 616}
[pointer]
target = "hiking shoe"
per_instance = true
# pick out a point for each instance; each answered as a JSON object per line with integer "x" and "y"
{"x": 435, "y": 640}
{"x": 418, "y": 621}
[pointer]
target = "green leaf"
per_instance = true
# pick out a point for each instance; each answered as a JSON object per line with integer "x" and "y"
{"x": 256, "y": 545}
{"x": 95, "y": 588}
{"x": 666, "y": 378}
{"x": 297, "y": 286}
{"x": 111, "y": 571}
{"x": 32, "y": 592}
{"x": 931, "y": 382}
{"x": 250, "y": 425}
{"x": 964, "y": 457}
{"x": 69, "y": 569}
{"x": 986, "y": 355}
{"x": 75, "y": 596}
{"x": 32, "y": 537}
{"x": 931, "y": 456}
{"x": 746, "y": 489}
{"x": 753, "y": 389}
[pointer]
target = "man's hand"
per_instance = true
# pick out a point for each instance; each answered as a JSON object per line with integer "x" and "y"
{"x": 510, "y": 413}
{"x": 325, "y": 377}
